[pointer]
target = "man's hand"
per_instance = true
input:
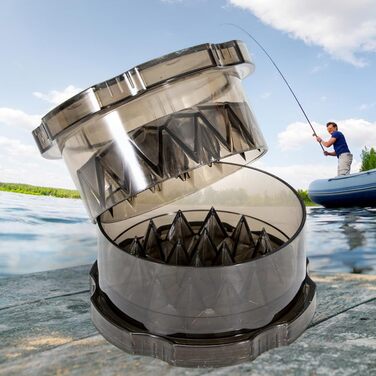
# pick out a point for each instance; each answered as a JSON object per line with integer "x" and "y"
{"x": 319, "y": 139}
{"x": 326, "y": 153}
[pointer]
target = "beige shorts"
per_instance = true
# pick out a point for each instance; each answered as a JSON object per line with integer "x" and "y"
{"x": 344, "y": 163}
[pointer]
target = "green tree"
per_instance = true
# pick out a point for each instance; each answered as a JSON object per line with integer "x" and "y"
{"x": 368, "y": 159}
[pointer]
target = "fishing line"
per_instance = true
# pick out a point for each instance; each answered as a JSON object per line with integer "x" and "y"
{"x": 279, "y": 71}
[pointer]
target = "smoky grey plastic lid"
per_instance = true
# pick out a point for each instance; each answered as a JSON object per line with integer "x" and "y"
{"x": 127, "y": 141}
{"x": 232, "y": 55}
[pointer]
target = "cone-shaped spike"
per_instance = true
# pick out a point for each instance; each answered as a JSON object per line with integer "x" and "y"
{"x": 229, "y": 244}
{"x": 263, "y": 244}
{"x": 184, "y": 176}
{"x": 244, "y": 245}
{"x": 224, "y": 256}
{"x": 167, "y": 248}
{"x": 152, "y": 243}
{"x": 178, "y": 255}
{"x": 136, "y": 249}
{"x": 192, "y": 245}
{"x": 242, "y": 233}
{"x": 180, "y": 230}
{"x": 196, "y": 260}
{"x": 206, "y": 249}
{"x": 213, "y": 225}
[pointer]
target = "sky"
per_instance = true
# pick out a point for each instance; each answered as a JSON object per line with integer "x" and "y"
{"x": 52, "y": 49}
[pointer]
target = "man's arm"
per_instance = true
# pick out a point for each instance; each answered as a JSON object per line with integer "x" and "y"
{"x": 331, "y": 153}
{"x": 328, "y": 143}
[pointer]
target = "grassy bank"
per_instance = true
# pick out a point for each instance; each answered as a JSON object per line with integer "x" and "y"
{"x": 39, "y": 191}
{"x": 304, "y": 196}
{"x": 70, "y": 193}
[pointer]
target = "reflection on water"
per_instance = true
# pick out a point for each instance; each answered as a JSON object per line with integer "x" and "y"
{"x": 40, "y": 233}
{"x": 342, "y": 239}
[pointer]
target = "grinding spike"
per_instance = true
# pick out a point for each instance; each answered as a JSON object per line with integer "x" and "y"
{"x": 229, "y": 244}
{"x": 192, "y": 245}
{"x": 213, "y": 225}
{"x": 206, "y": 249}
{"x": 156, "y": 188}
{"x": 263, "y": 245}
{"x": 242, "y": 233}
{"x": 224, "y": 256}
{"x": 244, "y": 245}
{"x": 178, "y": 255}
{"x": 196, "y": 260}
{"x": 180, "y": 230}
{"x": 136, "y": 248}
{"x": 184, "y": 176}
{"x": 152, "y": 243}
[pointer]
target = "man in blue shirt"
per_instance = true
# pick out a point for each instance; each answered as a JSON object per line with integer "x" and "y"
{"x": 341, "y": 150}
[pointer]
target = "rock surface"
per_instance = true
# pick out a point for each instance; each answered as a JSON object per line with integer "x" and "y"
{"x": 45, "y": 329}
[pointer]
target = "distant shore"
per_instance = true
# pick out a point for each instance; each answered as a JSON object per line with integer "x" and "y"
{"x": 39, "y": 191}
{"x": 71, "y": 193}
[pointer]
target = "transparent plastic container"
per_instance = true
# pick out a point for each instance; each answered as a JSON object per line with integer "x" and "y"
{"x": 200, "y": 294}
{"x": 199, "y": 253}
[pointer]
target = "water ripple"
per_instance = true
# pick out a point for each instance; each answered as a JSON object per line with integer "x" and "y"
{"x": 43, "y": 233}
{"x": 342, "y": 240}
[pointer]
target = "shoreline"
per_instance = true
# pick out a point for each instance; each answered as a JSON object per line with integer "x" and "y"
{"x": 39, "y": 191}
{"x": 35, "y": 190}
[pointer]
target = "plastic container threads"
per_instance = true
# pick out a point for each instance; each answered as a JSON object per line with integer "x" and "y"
{"x": 201, "y": 258}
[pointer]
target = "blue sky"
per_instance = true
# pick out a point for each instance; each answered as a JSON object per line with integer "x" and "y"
{"x": 52, "y": 49}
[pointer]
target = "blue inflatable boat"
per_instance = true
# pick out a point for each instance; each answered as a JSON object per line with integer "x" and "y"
{"x": 344, "y": 191}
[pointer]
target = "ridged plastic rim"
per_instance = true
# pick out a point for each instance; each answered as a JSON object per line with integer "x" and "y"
{"x": 91, "y": 97}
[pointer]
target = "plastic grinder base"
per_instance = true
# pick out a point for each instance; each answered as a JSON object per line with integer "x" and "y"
{"x": 211, "y": 351}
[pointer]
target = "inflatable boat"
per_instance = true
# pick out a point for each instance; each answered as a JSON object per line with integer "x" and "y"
{"x": 344, "y": 191}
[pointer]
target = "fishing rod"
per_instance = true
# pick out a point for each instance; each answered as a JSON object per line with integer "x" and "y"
{"x": 279, "y": 71}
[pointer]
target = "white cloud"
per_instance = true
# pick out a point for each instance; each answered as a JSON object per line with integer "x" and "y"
{"x": 22, "y": 163}
{"x": 343, "y": 28}
{"x": 14, "y": 147}
{"x": 301, "y": 175}
{"x": 297, "y": 134}
{"x": 358, "y": 133}
{"x": 17, "y": 118}
{"x": 57, "y": 97}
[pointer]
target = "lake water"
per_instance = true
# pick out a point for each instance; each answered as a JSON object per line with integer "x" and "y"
{"x": 42, "y": 233}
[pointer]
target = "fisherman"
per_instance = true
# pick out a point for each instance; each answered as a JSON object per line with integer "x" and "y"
{"x": 341, "y": 150}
